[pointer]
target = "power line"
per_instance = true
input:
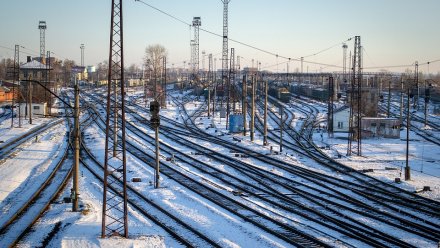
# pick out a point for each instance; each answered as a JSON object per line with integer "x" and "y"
{"x": 248, "y": 45}
{"x": 328, "y": 48}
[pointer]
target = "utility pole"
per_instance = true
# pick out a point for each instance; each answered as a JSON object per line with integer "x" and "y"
{"x": 30, "y": 100}
{"x": 331, "y": 88}
{"x": 408, "y": 125}
{"x": 427, "y": 97}
{"x": 210, "y": 82}
{"x": 344, "y": 63}
{"x": 301, "y": 79}
{"x": 416, "y": 100}
{"x": 265, "y": 115}
{"x": 15, "y": 91}
{"x": 253, "y": 109}
{"x": 244, "y": 104}
{"x": 389, "y": 99}
{"x": 355, "y": 129}
{"x": 231, "y": 79}
{"x": 75, "y": 189}
{"x": 401, "y": 99}
{"x": 209, "y": 99}
{"x": 281, "y": 128}
{"x": 164, "y": 85}
{"x": 48, "y": 97}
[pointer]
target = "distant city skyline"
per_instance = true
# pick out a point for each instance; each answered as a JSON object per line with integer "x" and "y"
{"x": 393, "y": 33}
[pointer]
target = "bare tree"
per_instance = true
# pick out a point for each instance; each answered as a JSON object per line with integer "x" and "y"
{"x": 153, "y": 59}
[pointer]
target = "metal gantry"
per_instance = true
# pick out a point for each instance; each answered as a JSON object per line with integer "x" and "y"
{"x": 354, "y": 129}
{"x": 114, "y": 213}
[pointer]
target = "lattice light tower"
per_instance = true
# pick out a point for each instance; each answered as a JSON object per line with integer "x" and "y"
{"x": 42, "y": 27}
{"x": 114, "y": 213}
{"x": 197, "y": 22}
{"x": 82, "y": 54}
{"x": 355, "y": 129}
{"x": 193, "y": 58}
{"x": 225, "y": 43}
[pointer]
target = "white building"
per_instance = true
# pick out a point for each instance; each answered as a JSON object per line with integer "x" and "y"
{"x": 340, "y": 119}
{"x": 37, "y": 109}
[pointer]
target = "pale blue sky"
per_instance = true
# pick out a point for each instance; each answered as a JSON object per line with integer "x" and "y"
{"x": 393, "y": 32}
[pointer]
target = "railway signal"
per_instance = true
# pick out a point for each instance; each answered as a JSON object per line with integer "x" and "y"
{"x": 155, "y": 122}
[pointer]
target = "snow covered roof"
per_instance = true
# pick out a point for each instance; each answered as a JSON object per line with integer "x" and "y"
{"x": 341, "y": 109}
{"x": 34, "y": 65}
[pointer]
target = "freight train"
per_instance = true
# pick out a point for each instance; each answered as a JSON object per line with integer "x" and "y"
{"x": 281, "y": 94}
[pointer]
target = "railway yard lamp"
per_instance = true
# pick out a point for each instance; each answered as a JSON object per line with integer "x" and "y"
{"x": 155, "y": 123}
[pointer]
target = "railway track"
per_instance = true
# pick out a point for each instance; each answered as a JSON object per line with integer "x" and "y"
{"x": 429, "y": 135}
{"x": 324, "y": 204}
{"x": 17, "y": 220}
{"x": 11, "y": 144}
{"x": 276, "y": 228}
{"x": 375, "y": 186}
{"x": 373, "y": 216}
{"x": 422, "y": 220}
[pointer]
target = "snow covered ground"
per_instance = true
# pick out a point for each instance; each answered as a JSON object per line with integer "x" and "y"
{"x": 387, "y": 158}
{"x": 60, "y": 227}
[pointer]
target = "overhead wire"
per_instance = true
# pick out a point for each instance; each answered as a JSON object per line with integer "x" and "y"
{"x": 248, "y": 45}
{"x": 289, "y": 59}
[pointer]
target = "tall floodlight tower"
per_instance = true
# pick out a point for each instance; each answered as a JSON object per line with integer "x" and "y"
{"x": 42, "y": 27}
{"x": 225, "y": 43}
{"x": 354, "y": 126}
{"x": 197, "y": 22}
{"x": 193, "y": 59}
{"x": 114, "y": 204}
{"x": 82, "y": 54}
